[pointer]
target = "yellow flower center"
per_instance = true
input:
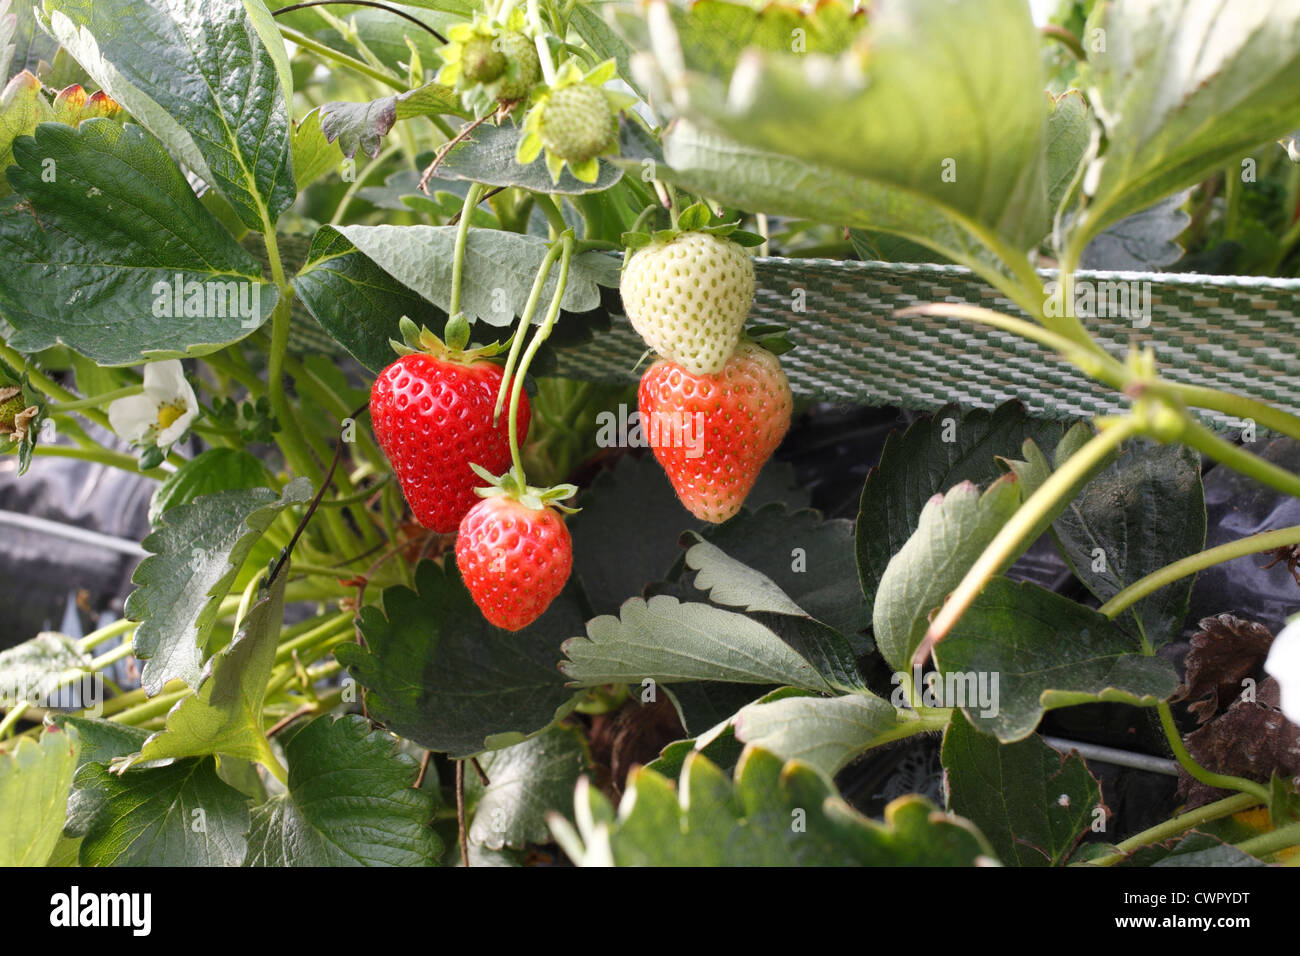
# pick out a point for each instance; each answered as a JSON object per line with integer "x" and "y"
{"x": 168, "y": 412}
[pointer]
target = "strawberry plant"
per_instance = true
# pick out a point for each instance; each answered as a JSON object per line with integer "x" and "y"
{"x": 512, "y": 489}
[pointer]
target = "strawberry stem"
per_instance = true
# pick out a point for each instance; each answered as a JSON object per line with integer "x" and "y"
{"x": 565, "y": 245}
{"x": 517, "y": 340}
{"x": 458, "y": 253}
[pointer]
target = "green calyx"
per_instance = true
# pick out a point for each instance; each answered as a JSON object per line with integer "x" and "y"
{"x": 695, "y": 218}
{"x": 449, "y": 348}
{"x": 513, "y": 486}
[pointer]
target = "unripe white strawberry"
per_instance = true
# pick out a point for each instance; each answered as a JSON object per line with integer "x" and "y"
{"x": 688, "y": 298}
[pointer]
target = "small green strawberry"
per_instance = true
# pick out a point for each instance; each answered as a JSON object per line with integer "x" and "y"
{"x": 481, "y": 61}
{"x": 521, "y": 57}
{"x": 688, "y": 297}
{"x": 575, "y": 121}
{"x": 490, "y": 63}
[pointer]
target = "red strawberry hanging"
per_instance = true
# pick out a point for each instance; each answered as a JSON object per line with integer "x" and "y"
{"x": 713, "y": 433}
{"x": 432, "y": 415}
{"x": 514, "y": 550}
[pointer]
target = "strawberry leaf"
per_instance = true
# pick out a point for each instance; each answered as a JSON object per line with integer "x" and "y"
{"x": 527, "y": 781}
{"x": 224, "y": 715}
{"x": 34, "y": 783}
{"x": 350, "y": 802}
{"x": 196, "y": 554}
{"x": 1032, "y": 802}
{"x": 439, "y": 674}
{"x": 182, "y": 814}
{"x": 708, "y": 819}
{"x": 1045, "y": 651}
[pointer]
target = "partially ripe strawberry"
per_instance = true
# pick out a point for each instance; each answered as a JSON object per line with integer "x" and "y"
{"x": 713, "y": 433}
{"x": 577, "y": 123}
{"x": 515, "y": 559}
{"x": 432, "y": 416}
{"x": 688, "y": 298}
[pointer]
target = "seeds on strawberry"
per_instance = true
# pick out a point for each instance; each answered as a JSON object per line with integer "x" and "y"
{"x": 433, "y": 419}
{"x": 577, "y": 123}
{"x": 515, "y": 560}
{"x": 688, "y": 298}
{"x": 744, "y": 413}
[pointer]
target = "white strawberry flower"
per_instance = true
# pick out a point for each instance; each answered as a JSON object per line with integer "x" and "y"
{"x": 1283, "y": 665}
{"x": 161, "y": 414}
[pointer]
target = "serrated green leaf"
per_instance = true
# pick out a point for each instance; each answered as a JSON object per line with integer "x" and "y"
{"x": 952, "y": 531}
{"x": 527, "y": 781}
{"x": 635, "y": 500}
{"x": 977, "y": 164}
{"x": 114, "y": 256}
{"x": 22, "y": 109}
{"x": 499, "y": 268}
{"x": 182, "y": 814}
{"x": 1044, "y": 651}
{"x": 826, "y": 733}
{"x": 733, "y": 584}
{"x": 770, "y": 814}
{"x": 489, "y": 157}
{"x": 212, "y": 470}
{"x": 1145, "y": 511}
{"x": 350, "y": 802}
{"x": 224, "y": 715}
{"x": 934, "y": 453}
{"x": 101, "y": 742}
{"x": 358, "y": 303}
{"x": 1069, "y": 131}
{"x": 34, "y": 670}
{"x": 34, "y": 783}
{"x": 313, "y": 154}
{"x": 810, "y": 558}
{"x": 1143, "y": 242}
{"x": 438, "y": 673}
{"x": 1181, "y": 88}
{"x": 671, "y": 641}
{"x": 194, "y": 558}
{"x": 200, "y": 77}
{"x": 1032, "y": 803}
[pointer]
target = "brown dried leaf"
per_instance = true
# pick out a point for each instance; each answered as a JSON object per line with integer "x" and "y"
{"x": 1252, "y": 739}
{"x": 1224, "y": 652}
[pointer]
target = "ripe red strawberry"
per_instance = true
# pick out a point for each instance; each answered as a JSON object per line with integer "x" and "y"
{"x": 713, "y": 433}
{"x": 432, "y": 415}
{"x": 515, "y": 559}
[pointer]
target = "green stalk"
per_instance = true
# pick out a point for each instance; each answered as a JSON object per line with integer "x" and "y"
{"x": 96, "y": 401}
{"x": 521, "y": 332}
{"x": 355, "y": 186}
{"x": 1283, "y": 838}
{"x": 458, "y": 252}
{"x": 1254, "y": 544}
{"x": 1177, "y": 825}
{"x": 1102, "y": 366}
{"x": 1238, "y": 459}
{"x": 14, "y": 715}
{"x": 320, "y": 49}
{"x": 552, "y": 213}
{"x": 544, "y": 330}
{"x": 1219, "y": 781}
{"x": 1198, "y": 396}
{"x": 101, "y": 456}
{"x": 1029, "y": 519}
{"x": 106, "y": 633}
